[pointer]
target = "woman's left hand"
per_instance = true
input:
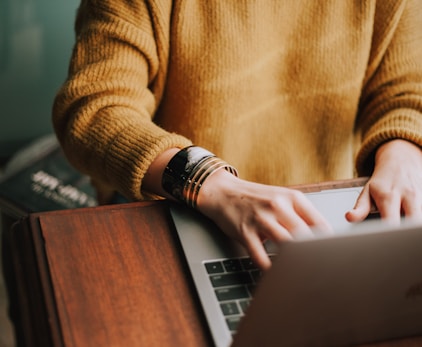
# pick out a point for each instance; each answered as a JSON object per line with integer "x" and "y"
{"x": 395, "y": 187}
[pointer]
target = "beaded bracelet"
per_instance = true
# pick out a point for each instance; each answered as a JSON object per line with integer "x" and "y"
{"x": 187, "y": 171}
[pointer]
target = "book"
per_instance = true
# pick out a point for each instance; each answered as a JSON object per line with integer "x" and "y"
{"x": 39, "y": 178}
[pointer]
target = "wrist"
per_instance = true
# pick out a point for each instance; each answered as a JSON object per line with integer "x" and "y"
{"x": 396, "y": 148}
{"x": 188, "y": 170}
{"x": 217, "y": 189}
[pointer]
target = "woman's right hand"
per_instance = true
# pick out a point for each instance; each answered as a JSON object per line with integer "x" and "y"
{"x": 251, "y": 212}
{"x": 246, "y": 211}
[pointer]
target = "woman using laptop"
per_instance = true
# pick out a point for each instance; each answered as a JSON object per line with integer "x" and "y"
{"x": 284, "y": 92}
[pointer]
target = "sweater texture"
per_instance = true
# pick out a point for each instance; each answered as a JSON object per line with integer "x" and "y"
{"x": 288, "y": 92}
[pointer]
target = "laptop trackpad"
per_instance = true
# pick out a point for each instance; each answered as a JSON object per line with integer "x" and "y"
{"x": 333, "y": 205}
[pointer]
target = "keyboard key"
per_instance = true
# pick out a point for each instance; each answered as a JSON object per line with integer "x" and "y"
{"x": 248, "y": 264}
{"x": 244, "y": 304}
{"x": 214, "y": 267}
{"x": 232, "y": 293}
{"x": 256, "y": 275}
{"x": 231, "y": 279}
{"x": 252, "y": 289}
{"x": 233, "y": 323}
{"x": 232, "y": 265}
{"x": 229, "y": 308}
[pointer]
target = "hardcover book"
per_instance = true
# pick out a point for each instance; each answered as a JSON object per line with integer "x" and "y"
{"x": 39, "y": 178}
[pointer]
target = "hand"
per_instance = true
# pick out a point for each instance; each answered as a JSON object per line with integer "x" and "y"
{"x": 252, "y": 212}
{"x": 395, "y": 187}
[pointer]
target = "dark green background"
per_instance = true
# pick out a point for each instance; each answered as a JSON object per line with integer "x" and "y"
{"x": 36, "y": 38}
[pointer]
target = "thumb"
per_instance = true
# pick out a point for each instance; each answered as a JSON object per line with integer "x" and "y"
{"x": 362, "y": 207}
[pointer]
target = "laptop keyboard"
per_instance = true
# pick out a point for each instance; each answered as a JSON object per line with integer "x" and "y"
{"x": 234, "y": 281}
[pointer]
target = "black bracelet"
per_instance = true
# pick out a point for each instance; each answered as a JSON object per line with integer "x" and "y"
{"x": 180, "y": 168}
{"x": 187, "y": 170}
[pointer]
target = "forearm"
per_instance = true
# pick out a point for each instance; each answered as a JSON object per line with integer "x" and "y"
{"x": 152, "y": 181}
{"x": 391, "y": 99}
{"x": 103, "y": 113}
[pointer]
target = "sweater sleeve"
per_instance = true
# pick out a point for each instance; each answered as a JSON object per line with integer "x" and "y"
{"x": 391, "y": 102}
{"x": 102, "y": 115}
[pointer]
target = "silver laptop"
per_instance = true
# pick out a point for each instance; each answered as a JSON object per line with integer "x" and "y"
{"x": 362, "y": 284}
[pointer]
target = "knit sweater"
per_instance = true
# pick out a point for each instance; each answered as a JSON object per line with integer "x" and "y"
{"x": 288, "y": 92}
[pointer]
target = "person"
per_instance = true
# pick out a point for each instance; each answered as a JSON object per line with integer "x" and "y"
{"x": 284, "y": 92}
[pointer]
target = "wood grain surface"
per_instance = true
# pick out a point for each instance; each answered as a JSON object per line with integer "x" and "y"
{"x": 119, "y": 280}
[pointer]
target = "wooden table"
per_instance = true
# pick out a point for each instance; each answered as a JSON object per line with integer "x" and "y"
{"x": 108, "y": 276}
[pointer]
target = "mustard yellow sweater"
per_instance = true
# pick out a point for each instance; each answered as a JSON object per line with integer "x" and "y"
{"x": 289, "y": 92}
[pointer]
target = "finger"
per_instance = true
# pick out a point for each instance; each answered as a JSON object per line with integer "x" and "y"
{"x": 389, "y": 206}
{"x": 292, "y": 222}
{"x": 362, "y": 207}
{"x": 286, "y": 221}
{"x": 310, "y": 215}
{"x": 271, "y": 229}
{"x": 257, "y": 251}
{"x": 412, "y": 207}
{"x": 297, "y": 228}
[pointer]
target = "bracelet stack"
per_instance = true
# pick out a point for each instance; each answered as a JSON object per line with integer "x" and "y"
{"x": 187, "y": 171}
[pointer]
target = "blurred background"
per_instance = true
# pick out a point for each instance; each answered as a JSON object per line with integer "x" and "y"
{"x": 36, "y": 39}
